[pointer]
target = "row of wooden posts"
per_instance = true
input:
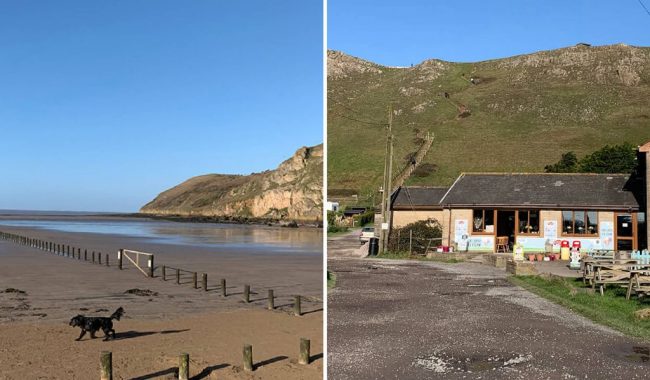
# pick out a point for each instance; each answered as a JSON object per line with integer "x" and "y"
{"x": 106, "y": 361}
{"x": 57, "y": 249}
{"x": 67, "y": 251}
{"x": 270, "y": 303}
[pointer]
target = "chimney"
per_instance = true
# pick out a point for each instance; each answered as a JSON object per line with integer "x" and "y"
{"x": 644, "y": 154}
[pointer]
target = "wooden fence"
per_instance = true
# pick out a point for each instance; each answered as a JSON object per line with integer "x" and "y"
{"x": 72, "y": 252}
{"x": 183, "y": 369}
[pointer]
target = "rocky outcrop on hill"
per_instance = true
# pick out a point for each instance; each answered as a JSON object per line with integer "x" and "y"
{"x": 340, "y": 65}
{"x": 293, "y": 191}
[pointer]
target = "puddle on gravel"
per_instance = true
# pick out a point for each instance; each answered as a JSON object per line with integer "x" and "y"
{"x": 443, "y": 363}
{"x": 640, "y": 354}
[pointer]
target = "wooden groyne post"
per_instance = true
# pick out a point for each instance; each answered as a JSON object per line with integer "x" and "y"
{"x": 248, "y": 357}
{"x": 120, "y": 253}
{"x": 224, "y": 292}
{"x": 164, "y": 274}
{"x": 271, "y": 301}
{"x": 204, "y": 278}
{"x": 184, "y": 366}
{"x": 305, "y": 345}
{"x": 194, "y": 280}
{"x": 151, "y": 267}
{"x": 106, "y": 363}
{"x": 296, "y": 306}
{"x": 247, "y": 293}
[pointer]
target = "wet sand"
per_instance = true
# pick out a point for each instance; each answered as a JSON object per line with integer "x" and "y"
{"x": 36, "y": 341}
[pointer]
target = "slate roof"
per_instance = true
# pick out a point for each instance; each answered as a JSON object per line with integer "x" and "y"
{"x": 420, "y": 198}
{"x": 593, "y": 191}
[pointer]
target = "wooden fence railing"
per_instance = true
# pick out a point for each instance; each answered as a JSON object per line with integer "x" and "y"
{"x": 72, "y": 252}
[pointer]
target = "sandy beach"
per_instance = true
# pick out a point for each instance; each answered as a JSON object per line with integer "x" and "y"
{"x": 164, "y": 321}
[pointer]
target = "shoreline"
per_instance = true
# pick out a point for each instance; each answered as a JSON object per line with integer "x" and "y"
{"x": 234, "y": 220}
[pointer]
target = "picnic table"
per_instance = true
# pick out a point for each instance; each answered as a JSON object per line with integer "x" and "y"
{"x": 612, "y": 272}
{"x": 590, "y": 264}
{"x": 639, "y": 282}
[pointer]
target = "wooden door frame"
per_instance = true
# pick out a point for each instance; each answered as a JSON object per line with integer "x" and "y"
{"x": 496, "y": 225}
{"x": 635, "y": 226}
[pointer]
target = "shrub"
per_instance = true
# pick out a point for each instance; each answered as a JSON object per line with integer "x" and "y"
{"x": 422, "y": 232}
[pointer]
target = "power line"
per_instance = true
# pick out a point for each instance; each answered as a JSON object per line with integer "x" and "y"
{"x": 342, "y": 105}
{"x": 351, "y": 109}
{"x": 644, "y": 7}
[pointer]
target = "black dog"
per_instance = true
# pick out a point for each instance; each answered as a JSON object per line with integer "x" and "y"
{"x": 93, "y": 324}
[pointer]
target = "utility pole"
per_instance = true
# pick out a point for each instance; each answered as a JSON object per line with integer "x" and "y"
{"x": 386, "y": 190}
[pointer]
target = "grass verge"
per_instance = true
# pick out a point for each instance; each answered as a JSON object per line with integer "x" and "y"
{"x": 337, "y": 231}
{"x": 331, "y": 280}
{"x": 405, "y": 256}
{"x": 611, "y": 309}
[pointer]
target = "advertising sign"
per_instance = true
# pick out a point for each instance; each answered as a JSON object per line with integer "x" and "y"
{"x": 460, "y": 229}
{"x": 550, "y": 229}
{"x": 607, "y": 235}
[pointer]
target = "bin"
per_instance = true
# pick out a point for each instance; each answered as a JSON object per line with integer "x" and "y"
{"x": 373, "y": 246}
{"x": 565, "y": 254}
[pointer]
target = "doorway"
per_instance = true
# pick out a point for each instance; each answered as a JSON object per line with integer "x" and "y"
{"x": 626, "y": 231}
{"x": 506, "y": 225}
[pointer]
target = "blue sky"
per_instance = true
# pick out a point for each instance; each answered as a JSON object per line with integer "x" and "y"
{"x": 401, "y": 33}
{"x": 104, "y": 104}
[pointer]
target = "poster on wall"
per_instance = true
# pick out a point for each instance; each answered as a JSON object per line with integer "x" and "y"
{"x": 481, "y": 243}
{"x": 550, "y": 229}
{"x": 607, "y": 235}
{"x": 460, "y": 229}
{"x": 531, "y": 243}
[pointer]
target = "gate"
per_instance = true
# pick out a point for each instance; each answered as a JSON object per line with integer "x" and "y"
{"x": 135, "y": 258}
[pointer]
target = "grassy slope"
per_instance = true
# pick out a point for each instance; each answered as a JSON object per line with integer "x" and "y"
{"x": 611, "y": 310}
{"x": 523, "y": 117}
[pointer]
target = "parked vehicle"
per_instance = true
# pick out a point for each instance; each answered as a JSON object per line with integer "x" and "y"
{"x": 366, "y": 234}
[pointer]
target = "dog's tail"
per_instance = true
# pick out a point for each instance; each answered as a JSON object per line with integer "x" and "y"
{"x": 118, "y": 314}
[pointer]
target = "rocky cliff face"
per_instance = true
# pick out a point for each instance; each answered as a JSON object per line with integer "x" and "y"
{"x": 293, "y": 191}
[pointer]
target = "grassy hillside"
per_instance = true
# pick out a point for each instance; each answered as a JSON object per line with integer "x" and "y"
{"x": 524, "y": 112}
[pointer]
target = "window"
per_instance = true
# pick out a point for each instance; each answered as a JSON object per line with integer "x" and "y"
{"x": 483, "y": 221}
{"x": 528, "y": 222}
{"x": 579, "y": 222}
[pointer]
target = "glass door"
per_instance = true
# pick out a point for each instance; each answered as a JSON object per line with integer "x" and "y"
{"x": 625, "y": 232}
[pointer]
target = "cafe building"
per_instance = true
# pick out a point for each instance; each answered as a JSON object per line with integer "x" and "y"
{"x": 491, "y": 212}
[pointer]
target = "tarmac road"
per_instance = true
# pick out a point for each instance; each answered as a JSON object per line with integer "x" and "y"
{"x": 391, "y": 319}
{"x": 346, "y": 245}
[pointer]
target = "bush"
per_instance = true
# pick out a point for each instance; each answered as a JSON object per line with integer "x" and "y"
{"x": 567, "y": 164}
{"x": 331, "y": 222}
{"x": 608, "y": 159}
{"x": 422, "y": 232}
{"x": 367, "y": 217}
